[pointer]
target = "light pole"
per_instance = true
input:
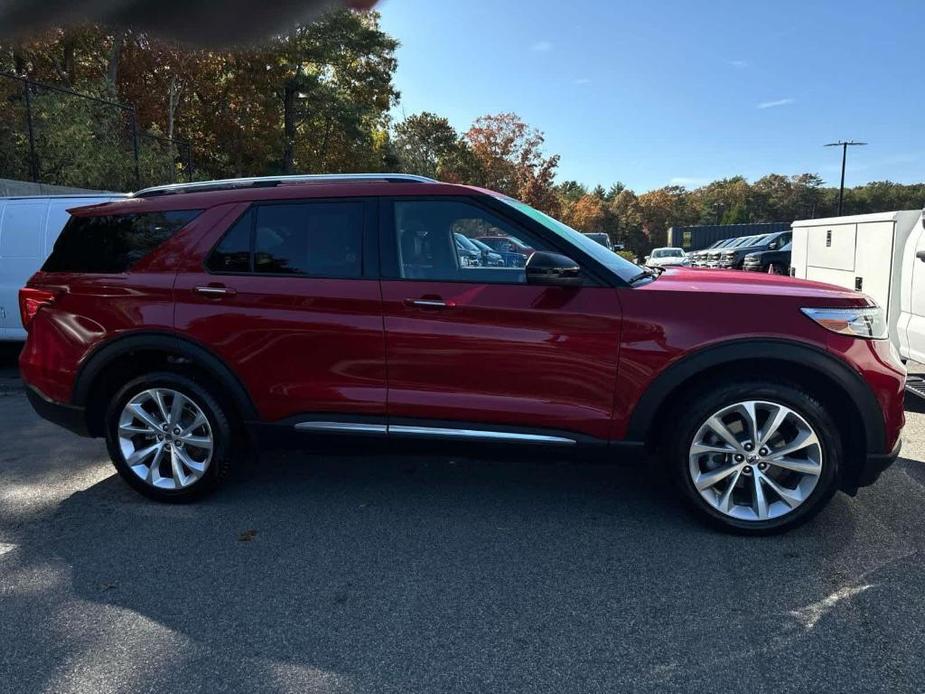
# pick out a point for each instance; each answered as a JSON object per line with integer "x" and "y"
{"x": 844, "y": 144}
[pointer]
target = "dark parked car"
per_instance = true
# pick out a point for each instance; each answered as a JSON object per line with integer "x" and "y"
{"x": 469, "y": 254}
{"x": 193, "y": 322}
{"x": 776, "y": 262}
{"x": 601, "y": 238}
{"x": 714, "y": 257}
{"x": 489, "y": 257}
{"x": 733, "y": 258}
{"x": 513, "y": 252}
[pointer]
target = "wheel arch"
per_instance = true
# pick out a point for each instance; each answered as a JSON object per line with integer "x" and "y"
{"x": 174, "y": 351}
{"x": 845, "y": 390}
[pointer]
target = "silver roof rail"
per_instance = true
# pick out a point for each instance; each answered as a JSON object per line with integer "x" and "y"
{"x": 270, "y": 181}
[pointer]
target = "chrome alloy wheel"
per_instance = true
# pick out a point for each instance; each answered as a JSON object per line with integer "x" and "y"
{"x": 165, "y": 438}
{"x": 755, "y": 460}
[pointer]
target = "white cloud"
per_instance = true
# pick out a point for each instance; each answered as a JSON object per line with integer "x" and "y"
{"x": 741, "y": 64}
{"x": 776, "y": 103}
{"x": 541, "y": 47}
{"x": 583, "y": 80}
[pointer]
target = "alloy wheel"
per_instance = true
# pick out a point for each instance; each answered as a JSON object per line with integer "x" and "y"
{"x": 165, "y": 438}
{"x": 755, "y": 460}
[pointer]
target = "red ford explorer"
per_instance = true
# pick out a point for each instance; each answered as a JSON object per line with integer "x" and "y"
{"x": 188, "y": 322}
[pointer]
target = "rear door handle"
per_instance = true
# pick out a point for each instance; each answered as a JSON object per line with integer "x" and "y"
{"x": 429, "y": 303}
{"x": 215, "y": 290}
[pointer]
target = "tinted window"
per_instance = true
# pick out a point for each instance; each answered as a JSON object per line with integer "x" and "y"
{"x": 432, "y": 238}
{"x": 233, "y": 253}
{"x": 318, "y": 239}
{"x": 113, "y": 243}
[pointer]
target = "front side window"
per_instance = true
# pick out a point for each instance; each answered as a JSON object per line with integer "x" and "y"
{"x": 111, "y": 244}
{"x": 317, "y": 239}
{"x": 448, "y": 240}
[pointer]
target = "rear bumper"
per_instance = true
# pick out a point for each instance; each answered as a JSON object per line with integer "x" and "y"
{"x": 70, "y": 417}
{"x": 875, "y": 463}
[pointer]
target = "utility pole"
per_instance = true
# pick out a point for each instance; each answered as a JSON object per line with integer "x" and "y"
{"x": 844, "y": 144}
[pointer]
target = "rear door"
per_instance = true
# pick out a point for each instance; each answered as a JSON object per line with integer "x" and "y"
{"x": 477, "y": 348}
{"x": 289, "y": 298}
{"x": 915, "y": 331}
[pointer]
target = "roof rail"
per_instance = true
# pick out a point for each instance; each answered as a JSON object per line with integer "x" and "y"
{"x": 270, "y": 181}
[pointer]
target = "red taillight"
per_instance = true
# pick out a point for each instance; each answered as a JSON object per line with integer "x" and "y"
{"x": 30, "y": 301}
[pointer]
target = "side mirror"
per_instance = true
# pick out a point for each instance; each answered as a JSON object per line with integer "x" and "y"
{"x": 647, "y": 258}
{"x": 552, "y": 269}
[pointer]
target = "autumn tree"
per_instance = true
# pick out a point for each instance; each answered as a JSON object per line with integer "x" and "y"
{"x": 511, "y": 160}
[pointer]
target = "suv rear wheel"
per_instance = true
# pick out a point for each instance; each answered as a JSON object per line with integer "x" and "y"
{"x": 755, "y": 458}
{"x": 168, "y": 437}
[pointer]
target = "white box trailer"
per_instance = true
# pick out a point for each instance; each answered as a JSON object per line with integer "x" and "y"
{"x": 29, "y": 227}
{"x": 863, "y": 252}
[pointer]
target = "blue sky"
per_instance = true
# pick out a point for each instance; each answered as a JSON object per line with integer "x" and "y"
{"x": 655, "y": 93}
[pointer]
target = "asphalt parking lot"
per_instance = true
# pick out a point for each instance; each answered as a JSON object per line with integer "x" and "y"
{"x": 386, "y": 574}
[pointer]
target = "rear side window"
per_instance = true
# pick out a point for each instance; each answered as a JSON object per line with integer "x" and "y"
{"x": 317, "y": 239}
{"x": 113, "y": 243}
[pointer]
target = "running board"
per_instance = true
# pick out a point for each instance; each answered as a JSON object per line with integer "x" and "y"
{"x": 916, "y": 386}
{"x": 432, "y": 432}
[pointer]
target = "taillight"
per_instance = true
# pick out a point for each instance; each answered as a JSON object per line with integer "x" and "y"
{"x": 30, "y": 301}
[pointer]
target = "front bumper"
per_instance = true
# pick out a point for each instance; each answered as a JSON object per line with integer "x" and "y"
{"x": 70, "y": 417}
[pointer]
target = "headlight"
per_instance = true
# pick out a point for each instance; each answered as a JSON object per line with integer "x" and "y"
{"x": 869, "y": 322}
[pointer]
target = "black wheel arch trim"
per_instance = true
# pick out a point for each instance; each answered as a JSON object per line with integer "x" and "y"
{"x": 687, "y": 367}
{"x": 104, "y": 354}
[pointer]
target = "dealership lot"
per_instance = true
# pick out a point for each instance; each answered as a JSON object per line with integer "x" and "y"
{"x": 313, "y": 573}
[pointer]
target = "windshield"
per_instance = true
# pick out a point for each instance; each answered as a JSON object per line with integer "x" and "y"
{"x": 623, "y": 268}
{"x": 744, "y": 241}
{"x": 667, "y": 253}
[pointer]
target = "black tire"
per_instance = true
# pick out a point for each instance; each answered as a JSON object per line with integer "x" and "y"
{"x": 698, "y": 408}
{"x": 219, "y": 420}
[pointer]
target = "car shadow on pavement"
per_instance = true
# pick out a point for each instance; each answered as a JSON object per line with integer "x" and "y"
{"x": 416, "y": 574}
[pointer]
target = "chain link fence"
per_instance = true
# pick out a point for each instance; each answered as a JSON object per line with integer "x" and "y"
{"x": 50, "y": 134}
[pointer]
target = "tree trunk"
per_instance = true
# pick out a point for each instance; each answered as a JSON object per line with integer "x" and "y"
{"x": 112, "y": 70}
{"x": 289, "y": 97}
{"x": 172, "y": 99}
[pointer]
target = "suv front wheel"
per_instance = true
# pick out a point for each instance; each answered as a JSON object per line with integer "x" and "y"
{"x": 756, "y": 458}
{"x": 168, "y": 437}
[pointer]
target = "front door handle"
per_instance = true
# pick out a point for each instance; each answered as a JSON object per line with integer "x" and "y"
{"x": 215, "y": 290}
{"x": 429, "y": 303}
{"x": 921, "y": 256}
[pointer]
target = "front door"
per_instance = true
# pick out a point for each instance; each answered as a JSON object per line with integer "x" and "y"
{"x": 290, "y": 299}
{"x": 469, "y": 345}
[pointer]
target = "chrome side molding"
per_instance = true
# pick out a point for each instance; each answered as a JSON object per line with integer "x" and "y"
{"x": 434, "y": 432}
{"x": 352, "y": 427}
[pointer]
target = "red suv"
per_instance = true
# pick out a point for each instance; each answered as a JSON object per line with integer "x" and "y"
{"x": 192, "y": 321}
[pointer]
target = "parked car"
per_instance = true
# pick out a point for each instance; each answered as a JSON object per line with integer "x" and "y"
{"x": 469, "y": 254}
{"x": 702, "y": 258}
{"x": 513, "y": 252}
{"x": 28, "y": 229}
{"x": 601, "y": 238}
{"x": 489, "y": 257}
{"x": 195, "y": 320}
{"x": 666, "y": 257}
{"x": 773, "y": 261}
{"x": 715, "y": 256}
{"x": 732, "y": 259}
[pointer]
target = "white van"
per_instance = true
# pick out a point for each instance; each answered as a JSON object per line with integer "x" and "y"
{"x": 29, "y": 227}
{"x": 882, "y": 255}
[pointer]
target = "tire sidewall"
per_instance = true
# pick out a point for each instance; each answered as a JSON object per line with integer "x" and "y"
{"x": 215, "y": 414}
{"x": 693, "y": 417}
